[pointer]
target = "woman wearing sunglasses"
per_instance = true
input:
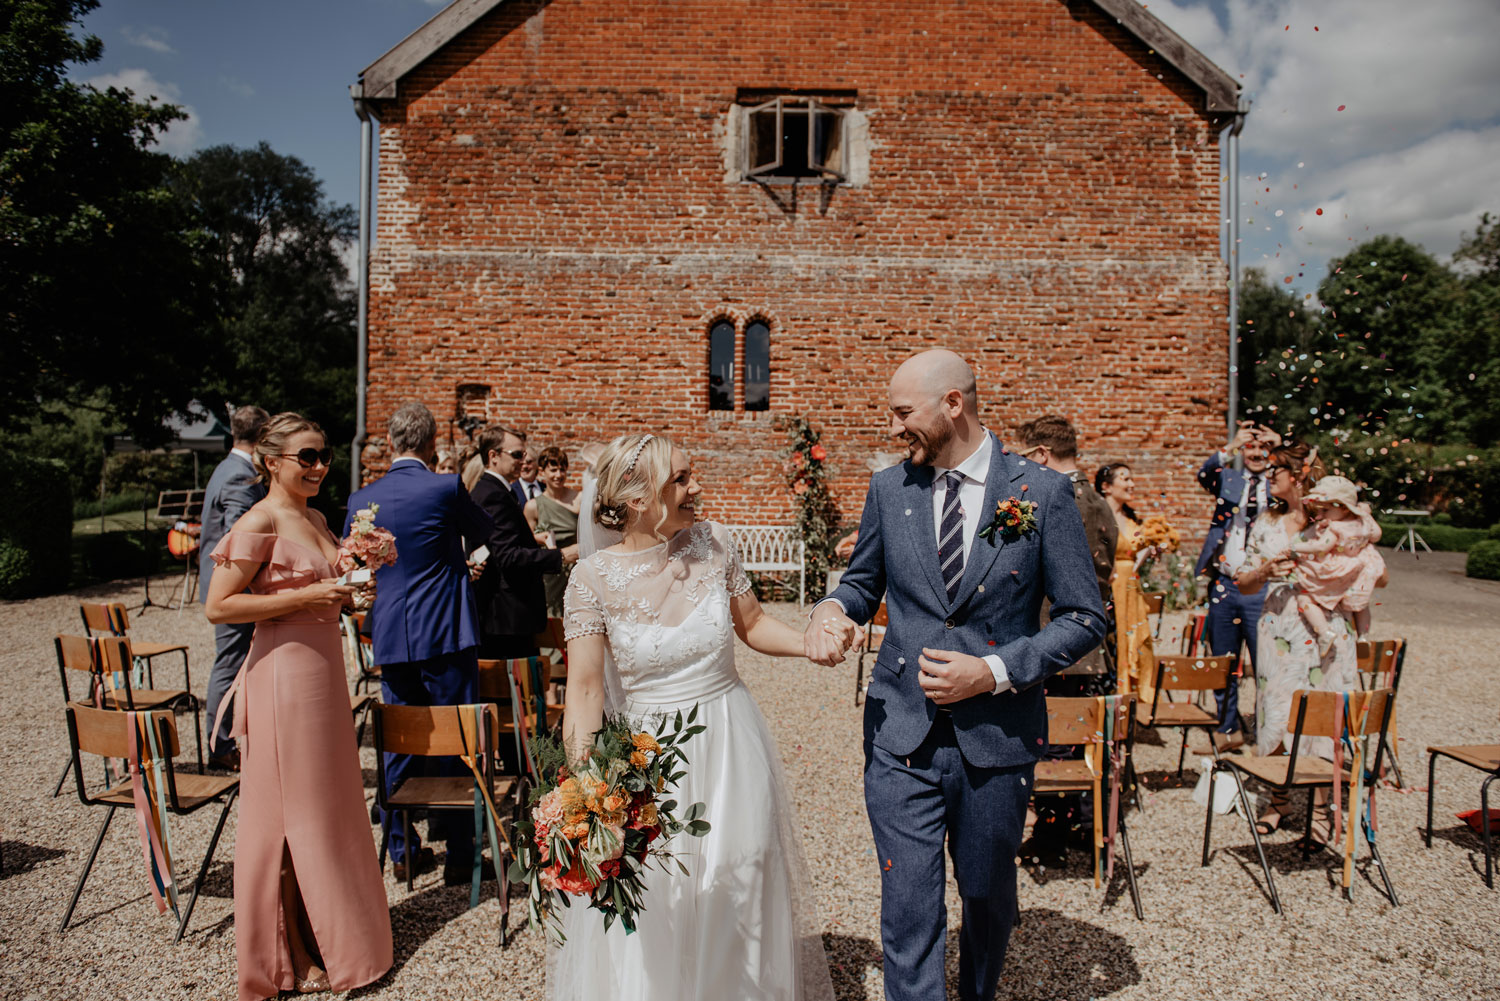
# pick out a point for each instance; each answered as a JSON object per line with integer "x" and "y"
{"x": 309, "y": 901}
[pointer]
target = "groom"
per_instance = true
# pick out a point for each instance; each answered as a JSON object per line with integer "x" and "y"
{"x": 955, "y": 718}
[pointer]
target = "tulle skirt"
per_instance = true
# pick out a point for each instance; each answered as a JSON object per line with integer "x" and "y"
{"x": 740, "y": 924}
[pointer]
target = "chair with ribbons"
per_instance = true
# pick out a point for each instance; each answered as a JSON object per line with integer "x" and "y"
{"x": 146, "y": 742}
{"x": 1351, "y": 720}
{"x": 109, "y": 662}
{"x": 470, "y": 733}
{"x": 1379, "y": 663}
{"x": 553, "y": 647}
{"x": 1104, "y": 726}
{"x": 112, "y": 620}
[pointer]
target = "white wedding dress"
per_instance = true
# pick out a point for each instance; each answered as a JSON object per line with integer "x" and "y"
{"x": 740, "y": 925}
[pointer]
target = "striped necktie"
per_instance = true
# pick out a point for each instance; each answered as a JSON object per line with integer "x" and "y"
{"x": 1252, "y": 500}
{"x": 951, "y": 534}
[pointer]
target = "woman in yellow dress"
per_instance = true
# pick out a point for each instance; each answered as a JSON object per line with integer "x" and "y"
{"x": 1135, "y": 659}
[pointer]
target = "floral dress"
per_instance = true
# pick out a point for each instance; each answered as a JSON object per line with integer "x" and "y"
{"x": 1287, "y": 652}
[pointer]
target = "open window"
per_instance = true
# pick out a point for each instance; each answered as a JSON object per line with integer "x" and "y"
{"x": 794, "y": 137}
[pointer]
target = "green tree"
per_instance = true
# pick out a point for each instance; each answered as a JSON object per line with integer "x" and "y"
{"x": 103, "y": 295}
{"x": 286, "y": 305}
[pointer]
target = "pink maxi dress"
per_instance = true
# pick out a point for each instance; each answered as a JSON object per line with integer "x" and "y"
{"x": 301, "y": 789}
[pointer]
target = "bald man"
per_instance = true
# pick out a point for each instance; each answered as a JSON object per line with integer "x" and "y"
{"x": 955, "y": 718}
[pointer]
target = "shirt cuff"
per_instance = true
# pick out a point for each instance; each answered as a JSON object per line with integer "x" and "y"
{"x": 837, "y": 602}
{"x": 997, "y": 668}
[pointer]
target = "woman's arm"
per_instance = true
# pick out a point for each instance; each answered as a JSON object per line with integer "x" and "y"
{"x": 761, "y": 632}
{"x": 531, "y": 515}
{"x": 585, "y": 699}
{"x": 227, "y": 604}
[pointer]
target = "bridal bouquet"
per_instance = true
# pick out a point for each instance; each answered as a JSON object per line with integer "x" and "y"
{"x": 368, "y": 548}
{"x": 594, "y": 827}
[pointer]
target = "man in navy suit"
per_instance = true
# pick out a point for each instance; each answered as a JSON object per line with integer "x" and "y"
{"x": 955, "y": 718}
{"x": 526, "y": 486}
{"x": 424, "y": 626}
{"x": 512, "y": 598}
{"x": 1232, "y": 617}
{"x": 232, "y": 489}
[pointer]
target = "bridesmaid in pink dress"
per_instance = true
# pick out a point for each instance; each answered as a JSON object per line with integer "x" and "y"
{"x": 309, "y": 902}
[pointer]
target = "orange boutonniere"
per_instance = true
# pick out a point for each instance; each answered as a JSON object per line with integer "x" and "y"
{"x": 1013, "y": 519}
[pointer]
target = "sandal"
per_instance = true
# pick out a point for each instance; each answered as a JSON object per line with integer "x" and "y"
{"x": 1321, "y": 828}
{"x": 1276, "y": 811}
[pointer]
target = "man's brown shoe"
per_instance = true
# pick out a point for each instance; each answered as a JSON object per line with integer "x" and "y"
{"x": 426, "y": 861}
{"x": 1228, "y": 741}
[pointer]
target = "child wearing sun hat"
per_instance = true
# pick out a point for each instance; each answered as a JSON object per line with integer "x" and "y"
{"x": 1337, "y": 563}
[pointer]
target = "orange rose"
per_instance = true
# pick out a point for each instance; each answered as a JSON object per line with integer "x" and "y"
{"x": 818, "y": 453}
{"x": 638, "y": 760}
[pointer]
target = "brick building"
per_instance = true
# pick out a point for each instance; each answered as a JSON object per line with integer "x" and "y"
{"x": 597, "y": 216}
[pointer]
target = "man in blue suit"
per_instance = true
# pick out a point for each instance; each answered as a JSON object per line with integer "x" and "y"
{"x": 1232, "y": 617}
{"x": 424, "y": 627}
{"x": 955, "y": 718}
{"x": 232, "y": 489}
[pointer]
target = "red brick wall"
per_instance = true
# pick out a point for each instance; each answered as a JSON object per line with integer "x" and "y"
{"x": 555, "y": 224}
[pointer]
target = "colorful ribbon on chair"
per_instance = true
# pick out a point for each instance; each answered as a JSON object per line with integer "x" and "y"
{"x": 485, "y": 824}
{"x": 119, "y": 627}
{"x": 1345, "y": 726}
{"x": 148, "y": 784}
{"x": 1109, "y": 707}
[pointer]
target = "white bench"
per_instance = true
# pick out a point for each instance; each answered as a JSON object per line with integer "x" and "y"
{"x": 772, "y": 547}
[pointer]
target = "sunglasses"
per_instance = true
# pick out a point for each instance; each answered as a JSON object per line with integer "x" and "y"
{"x": 309, "y": 457}
{"x": 518, "y": 454}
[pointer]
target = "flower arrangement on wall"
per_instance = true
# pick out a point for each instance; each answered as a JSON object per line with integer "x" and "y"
{"x": 805, "y": 467}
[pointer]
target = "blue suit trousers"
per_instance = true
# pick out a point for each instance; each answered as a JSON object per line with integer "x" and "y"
{"x": 231, "y": 647}
{"x": 916, "y": 805}
{"x": 1232, "y": 619}
{"x": 448, "y": 680}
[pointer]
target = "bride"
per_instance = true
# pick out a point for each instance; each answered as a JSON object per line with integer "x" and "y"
{"x": 648, "y": 617}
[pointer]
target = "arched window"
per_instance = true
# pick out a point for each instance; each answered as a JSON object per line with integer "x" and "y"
{"x": 721, "y": 365}
{"x": 757, "y": 365}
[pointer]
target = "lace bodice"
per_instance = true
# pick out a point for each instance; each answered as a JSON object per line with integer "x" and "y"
{"x": 665, "y": 614}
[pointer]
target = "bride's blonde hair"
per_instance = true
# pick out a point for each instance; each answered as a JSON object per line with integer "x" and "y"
{"x": 633, "y": 467}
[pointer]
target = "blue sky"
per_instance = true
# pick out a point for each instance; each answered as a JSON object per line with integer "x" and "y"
{"x": 1385, "y": 114}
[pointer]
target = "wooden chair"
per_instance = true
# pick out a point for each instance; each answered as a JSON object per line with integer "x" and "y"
{"x": 112, "y": 620}
{"x": 499, "y": 687}
{"x": 1156, "y": 604}
{"x": 1193, "y": 632}
{"x": 1379, "y": 664}
{"x": 443, "y": 731}
{"x": 108, "y": 660}
{"x": 1104, "y": 726}
{"x": 1349, "y": 719}
{"x": 107, "y": 733}
{"x": 358, "y": 648}
{"x": 1486, "y": 758}
{"x": 1188, "y": 674}
{"x": 553, "y": 648}
{"x": 874, "y": 636}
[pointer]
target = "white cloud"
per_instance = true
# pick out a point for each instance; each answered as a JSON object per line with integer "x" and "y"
{"x": 236, "y": 86}
{"x": 153, "y": 38}
{"x": 182, "y": 136}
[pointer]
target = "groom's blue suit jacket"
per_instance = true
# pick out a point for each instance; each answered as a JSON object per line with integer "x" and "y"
{"x": 997, "y": 609}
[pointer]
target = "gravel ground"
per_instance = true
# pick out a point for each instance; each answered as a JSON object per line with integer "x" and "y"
{"x": 1208, "y": 933}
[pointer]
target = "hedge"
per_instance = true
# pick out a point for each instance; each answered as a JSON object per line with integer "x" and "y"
{"x": 37, "y": 528}
{"x": 119, "y": 555}
{"x": 1442, "y": 538}
{"x": 1484, "y": 560}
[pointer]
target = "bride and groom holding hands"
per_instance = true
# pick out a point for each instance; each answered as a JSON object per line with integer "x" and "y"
{"x": 962, "y": 541}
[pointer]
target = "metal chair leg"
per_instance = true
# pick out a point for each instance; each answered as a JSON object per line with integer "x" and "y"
{"x": 1307, "y": 841}
{"x": 213, "y": 844}
{"x": 411, "y": 856}
{"x": 62, "y": 778}
{"x": 1182, "y": 753}
{"x": 84, "y": 875}
{"x": 1484, "y": 829}
{"x": 1208, "y": 823}
{"x": 1390, "y": 752}
{"x": 1255, "y": 833}
{"x": 1135, "y": 892}
{"x": 1390, "y": 889}
{"x": 1431, "y": 777}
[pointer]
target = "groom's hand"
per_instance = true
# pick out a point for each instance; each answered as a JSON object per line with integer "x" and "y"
{"x": 829, "y": 635}
{"x": 949, "y": 676}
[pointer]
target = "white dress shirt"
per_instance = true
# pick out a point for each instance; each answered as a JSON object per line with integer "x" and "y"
{"x": 503, "y": 480}
{"x": 408, "y": 458}
{"x": 1238, "y": 532}
{"x": 975, "y": 470}
{"x": 243, "y": 455}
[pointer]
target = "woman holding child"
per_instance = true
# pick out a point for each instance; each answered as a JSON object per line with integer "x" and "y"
{"x": 1291, "y": 656}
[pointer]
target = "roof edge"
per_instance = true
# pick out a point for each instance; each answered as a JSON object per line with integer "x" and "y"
{"x": 379, "y": 79}
{"x": 1221, "y": 92}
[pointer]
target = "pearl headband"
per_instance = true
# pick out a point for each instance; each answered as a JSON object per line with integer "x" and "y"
{"x": 630, "y": 466}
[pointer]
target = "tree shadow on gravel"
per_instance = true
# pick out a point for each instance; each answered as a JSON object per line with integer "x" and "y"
{"x": 851, "y": 961}
{"x": 1040, "y": 963}
{"x": 22, "y": 857}
{"x": 424, "y": 913}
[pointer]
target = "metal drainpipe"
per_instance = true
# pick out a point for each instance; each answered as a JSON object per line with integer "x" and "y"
{"x": 1234, "y": 271}
{"x": 366, "y": 145}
